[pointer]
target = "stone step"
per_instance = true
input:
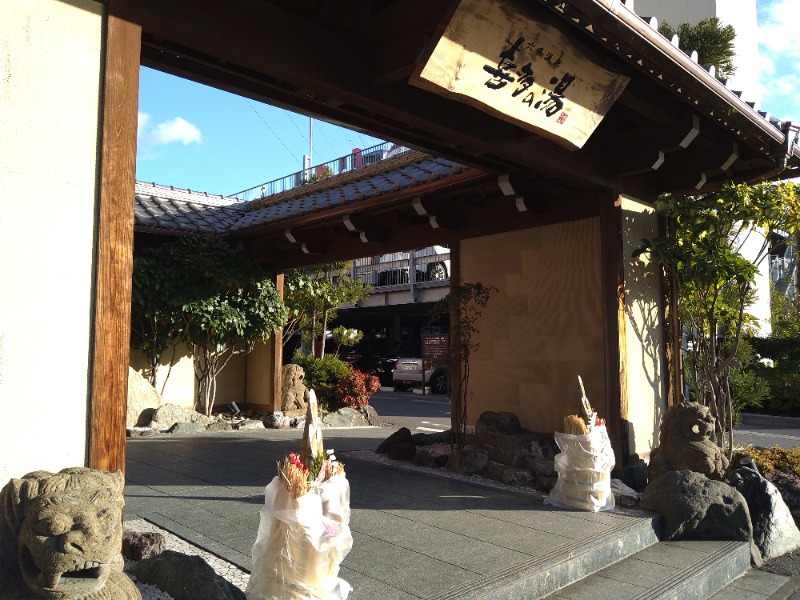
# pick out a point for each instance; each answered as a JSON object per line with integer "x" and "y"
{"x": 681, "y": 570}
{"x": 758, "y": 585}
{"x": 555, "y": 568}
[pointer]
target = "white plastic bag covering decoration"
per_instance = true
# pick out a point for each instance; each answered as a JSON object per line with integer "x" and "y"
{"x": 301, "y": 542}
{"x": 584, "y": 471}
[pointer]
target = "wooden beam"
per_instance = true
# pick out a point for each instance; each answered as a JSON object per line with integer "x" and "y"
{"x": 114, "y": 254}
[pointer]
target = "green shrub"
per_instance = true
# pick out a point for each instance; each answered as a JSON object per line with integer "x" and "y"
{"x": 355, "y": 389}
{"x": 323, "y": 375}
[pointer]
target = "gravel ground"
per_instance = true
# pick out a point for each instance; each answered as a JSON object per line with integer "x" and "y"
{"x": 229, "y": 571}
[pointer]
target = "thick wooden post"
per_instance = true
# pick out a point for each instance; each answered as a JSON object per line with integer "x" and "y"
{"x": 613, "y": 282}
{"x": 114, "y": 246}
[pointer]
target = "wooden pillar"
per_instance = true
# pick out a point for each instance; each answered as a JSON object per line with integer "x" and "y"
{"x": 453, "y": 373}
{"x": 613, "y": 290}
{"x": 114, "y": 244}
{"x": 276, "y": 356}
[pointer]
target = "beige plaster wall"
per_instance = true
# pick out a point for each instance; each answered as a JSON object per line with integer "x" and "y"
{"x": 50, "y": 77}
{"x": 645, "y": 373}
{"x": 544, "y": 326}
{"x": 259, "y": 377}
{"x": 180, "y": 387}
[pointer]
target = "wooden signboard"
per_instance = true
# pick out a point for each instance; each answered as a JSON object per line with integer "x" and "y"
{"x": 499, "y": 57}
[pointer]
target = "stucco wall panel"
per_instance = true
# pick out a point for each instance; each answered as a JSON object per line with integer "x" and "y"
{"x": 50, "y": 64}
{"x": 543, "y": 327}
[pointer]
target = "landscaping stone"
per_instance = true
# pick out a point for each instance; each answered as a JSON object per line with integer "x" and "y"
{"x": 182, "y": 427}
{"x": 694, "y": 506}
{"x": 220, "y": 425}
{"x": 184, "y": 577}
{"x": 544, "y": 473}
{"x": 428, "y": 439}
{"x": 424, "y": 458}
{"x": 139, "y": 545}
{"x": 509, "y": 475}
{"x": 469, "y": 461}
{"x": 624, "y": 496}
{"x": 143, "y": 399}
{"x": 501, "y": 434}
{"x": 345, "y": 417}
{"x": 402, "y": 451}
{"x": 250, "y": 424}
{"x": 401, "y": 436}
{"x": 166, "y": 415}
{"x": 774, "y": 529}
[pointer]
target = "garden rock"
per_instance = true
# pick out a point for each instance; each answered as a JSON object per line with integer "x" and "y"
{"x": 774, "y": 529}
{"x": 139, "y": 545}
{"x": 168, "y": 414}
{"x": 544, "y": 473}
{"x": 143, "y": 399}
{"x": 694, "y": 506}
{"x": 186, "y": 428}
{"x": 469, "y": 461}
{"x": 501, "y": 434}
{"x": 345, "y": 417}
{"x": 402, "y": 452}
{"x": 184, "y": 577}
{"x": 401, "y": 436}
{"x": 425, "y": 458}
{"x": 250, "y": 424}
{"x": 220, "y": 425}
{"x": 509, "y": 475}
{"x": 624, "y": 496}
{"x": 428, "y": 439}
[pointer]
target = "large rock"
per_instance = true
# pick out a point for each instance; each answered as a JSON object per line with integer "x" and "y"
{"x": 345, "y": 417}
{"x": 401, "y": 436}
{"x": 184, "y": 577}
{"x": 774, "y": 529}
{"x": 501, "y": 434}
{"x": 469, "y": 461}
{"x": 143, "y": 399}
{"x": 168, "y": 414}
{"x": 694, "y": 506}
{"x": 138, "y": 545}
{"x": 685, "y": 443}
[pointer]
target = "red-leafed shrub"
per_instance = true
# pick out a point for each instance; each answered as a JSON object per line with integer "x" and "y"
{"x": 355, "y": 389}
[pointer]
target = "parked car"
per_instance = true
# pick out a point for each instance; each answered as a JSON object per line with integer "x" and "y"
{"x": 379, "y": 366}
{"x": 408, "y": 372}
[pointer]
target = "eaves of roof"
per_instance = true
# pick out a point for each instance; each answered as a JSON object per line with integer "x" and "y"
{"x": 167, "y": 210}
{"x": 355, "y": 189}
{"x": 617, "y": 26}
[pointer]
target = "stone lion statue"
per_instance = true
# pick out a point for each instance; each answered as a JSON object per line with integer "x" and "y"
{"x": 293, "y": 391}
{"x": 61, "y": 537}
{"x": 685, "y": 443}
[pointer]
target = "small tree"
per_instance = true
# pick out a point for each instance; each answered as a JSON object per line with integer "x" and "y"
{"x": 215, "y": 298}
{"x": 313, "y": 296}
{"x": 715, "y": 281}
{"x": 467, "y": 301}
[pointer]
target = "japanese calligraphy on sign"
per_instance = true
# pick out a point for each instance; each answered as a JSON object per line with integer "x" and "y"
{"x": 499, "y": 57}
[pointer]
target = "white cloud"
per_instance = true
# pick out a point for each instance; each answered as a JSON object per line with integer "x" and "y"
{"x": 779, "y": 46}
{"x": 167, "y": 132}
{"x": 176, "y": 130}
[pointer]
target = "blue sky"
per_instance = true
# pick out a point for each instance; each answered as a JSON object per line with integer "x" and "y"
{"x": 196, "y": 137}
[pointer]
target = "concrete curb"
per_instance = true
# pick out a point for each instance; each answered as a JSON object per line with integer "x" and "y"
{"x": 771, "y": 420}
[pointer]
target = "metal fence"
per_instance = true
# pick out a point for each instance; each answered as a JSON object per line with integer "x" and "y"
{"x": 357, "y": 159}
{"x": 429, "y": 265}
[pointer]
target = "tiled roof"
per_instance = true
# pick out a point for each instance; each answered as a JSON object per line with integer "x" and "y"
{"x": 173, "y": 210}
{"x": 159, "y": 207}
{"x": 355, "y": 191}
